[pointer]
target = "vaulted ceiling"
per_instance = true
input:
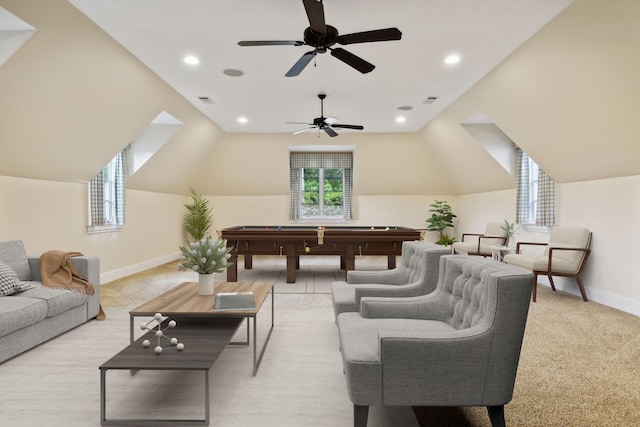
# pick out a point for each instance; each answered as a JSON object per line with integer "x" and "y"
{"x": 407, "y": 72}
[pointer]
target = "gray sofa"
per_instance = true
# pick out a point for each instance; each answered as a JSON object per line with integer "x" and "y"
{"x": 33, "y": 316}
{"x": 457, "y": 346}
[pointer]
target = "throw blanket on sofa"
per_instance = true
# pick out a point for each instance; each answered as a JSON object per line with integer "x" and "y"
{"x": 57, "y": 271}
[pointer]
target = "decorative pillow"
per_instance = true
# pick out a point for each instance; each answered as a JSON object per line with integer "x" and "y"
{"x": 8, "y": 280}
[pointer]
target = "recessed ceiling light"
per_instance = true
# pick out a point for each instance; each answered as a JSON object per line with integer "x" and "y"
{"x": 232, "y": 72}
{"x": 405, "y": 108}
{"x": 242, "y": 120}
{"x": 191, "y": 60}
{"x": 452, "y": 59}
{"x": 401, "y": 119}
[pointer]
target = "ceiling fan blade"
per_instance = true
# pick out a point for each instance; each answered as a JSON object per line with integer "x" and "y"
{"x": 357, "y": 127}
{"x": 302, "y": 62}
{"x": 315, "y": 13}
{"x": 383, "y": 35}
{"x": 352, "y": 60}
{"x": 299, "y": 123}
{"x": 330, "y": 120}
{"x": 330, "y": 131}
{"x": 303, "y": 130}
{"x": 270, "y": 43}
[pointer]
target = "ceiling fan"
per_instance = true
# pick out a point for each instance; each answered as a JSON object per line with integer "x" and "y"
{"x": 325, "y": 123}
{"x": 322, "y": 37}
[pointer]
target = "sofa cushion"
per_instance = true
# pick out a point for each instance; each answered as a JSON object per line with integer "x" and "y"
{"x": 17, "y": 313}
{"x": 541, "y": 263}
{"x": 57, "y": 300}
{"x": 360, "y": 337}
{"x": 12, "y": 253}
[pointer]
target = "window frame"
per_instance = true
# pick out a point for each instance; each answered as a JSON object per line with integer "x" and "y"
{"x": 320, "y": 157}
{"x": 111, "y": 182}
{"x": 321, "y": 196}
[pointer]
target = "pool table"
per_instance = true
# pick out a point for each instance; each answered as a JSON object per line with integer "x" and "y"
{"x": 293, "y": 241}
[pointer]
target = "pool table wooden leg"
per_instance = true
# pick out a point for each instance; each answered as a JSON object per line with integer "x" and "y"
{"x": 292, "y": 262}
{"x": 248, "y": 262}
{"x": 391, "y": 261}
{"x": 350, "y": 258}
{"x": 232, "y": 271}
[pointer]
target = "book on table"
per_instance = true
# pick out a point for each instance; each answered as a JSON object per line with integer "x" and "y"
{"x": 234, "y": 301}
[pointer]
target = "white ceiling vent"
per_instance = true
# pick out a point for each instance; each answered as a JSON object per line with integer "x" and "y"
{"x": 206, "y": 100}
{"x": 430, "y": 100}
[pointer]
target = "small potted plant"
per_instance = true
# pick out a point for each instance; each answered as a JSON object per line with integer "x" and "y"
{"x": 441, "y": 219}
{"x": 197, "y": 219}
{"x": 509, "y": 229}
{"x": 206, "y": 257}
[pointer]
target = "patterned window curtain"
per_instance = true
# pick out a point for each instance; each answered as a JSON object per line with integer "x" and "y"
{"x": 522, "y": 187}
{"x": 120, "y": 166}
{"x": 96, "y": 190}
{"x": 299, "y": 161}
{"x": 296, "y": 192}
{"x": 546, "y": 197}
{"x": 546, "y": 207}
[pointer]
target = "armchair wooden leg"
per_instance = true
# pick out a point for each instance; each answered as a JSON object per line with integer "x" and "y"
{"x": 553, "y": 285}
{"x": 582, "y": 291}
{"x": 496, "y": 415}
{"x": 360, "y": 415}
{"x": 535, "y": 287}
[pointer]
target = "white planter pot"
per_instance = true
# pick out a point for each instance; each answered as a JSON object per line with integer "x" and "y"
{"x": 205, "y": 284}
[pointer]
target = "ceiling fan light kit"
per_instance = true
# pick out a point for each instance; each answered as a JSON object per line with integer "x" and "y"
{"x": 327, "y": 124}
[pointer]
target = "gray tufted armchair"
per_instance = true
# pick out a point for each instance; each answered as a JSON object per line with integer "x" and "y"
{"x": 458, "y": 346}
{"x": 416, "y": 275}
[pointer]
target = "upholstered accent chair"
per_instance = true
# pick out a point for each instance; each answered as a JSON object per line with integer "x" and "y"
{"x": 480, "y": 244}
{"x": 416, "y": 275}
{"x": 565, "y": 254}
{"x": 457, "y": 346}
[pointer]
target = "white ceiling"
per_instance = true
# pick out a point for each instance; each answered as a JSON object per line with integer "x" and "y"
{"x": 161, "y": 32}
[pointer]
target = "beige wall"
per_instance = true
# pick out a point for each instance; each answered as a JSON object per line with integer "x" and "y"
{"x": 610, "y": 208}
{"x": 50, "y": 215}
{"x": 393, "y": 210}
{"x": 258, "y": 164}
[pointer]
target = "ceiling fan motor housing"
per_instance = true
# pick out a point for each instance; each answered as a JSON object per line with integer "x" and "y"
{"x": 319, "y": 40}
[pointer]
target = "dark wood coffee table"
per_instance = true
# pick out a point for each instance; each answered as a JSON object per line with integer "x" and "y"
{"x": 204, "y": 331}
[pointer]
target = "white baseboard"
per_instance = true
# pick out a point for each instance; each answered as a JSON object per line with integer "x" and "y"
{"x": 137, "y": 268}
{"x": 601, "y": 297}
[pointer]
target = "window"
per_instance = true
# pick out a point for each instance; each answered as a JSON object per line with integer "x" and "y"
{"x": 107, "y": 196}
{"x": 321, "y": 186}
{"x": 536, "y": 195}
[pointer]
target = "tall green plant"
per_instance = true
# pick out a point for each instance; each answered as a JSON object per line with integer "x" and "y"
{"x": 197, "y": 219}
{"x": 441, "y": 219}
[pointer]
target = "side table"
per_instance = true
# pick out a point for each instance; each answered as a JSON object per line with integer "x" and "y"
{"x": 498, "y": 252}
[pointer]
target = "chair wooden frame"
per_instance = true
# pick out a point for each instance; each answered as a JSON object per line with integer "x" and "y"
{"x": 549, "y": 272}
